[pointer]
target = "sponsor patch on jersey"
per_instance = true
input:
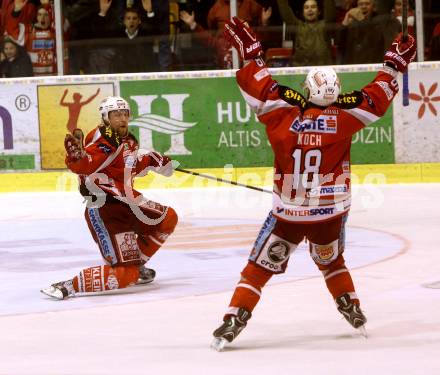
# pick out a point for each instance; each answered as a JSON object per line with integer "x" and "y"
{"x": 278, "y": 251}
{"x": 368, "y": 99}
{"x": 349, "y": 100}
{"x": 292, "y": 97}
{"x": 106, "y": 149}
{"x": 92, "y": 279}
{"x": 273, "y": 87}
{"x": 346, "y": 166}
{"x": 323, "y": 191}
{"x": 43, "y": 44}
{"x": 305, "y": 212}
{"x": 324, "y": 254}
{"x": 386, "y": 89}
{"x": 274, "y": 254}
{"x": 261, "y": 74}
{"x": 331, "y": 111}
{"x": 102, "y": 234}
{"x": 127, "y": 246}
{"x": 323, "y": 124}
{"x": 112, "y": 282}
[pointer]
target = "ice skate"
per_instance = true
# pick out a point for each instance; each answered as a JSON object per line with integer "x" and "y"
{"x": 60, "y": 291}
{"x": 146, "y": 275}
{"x": 230, "y": 329}
{"x": 352, "y": 313}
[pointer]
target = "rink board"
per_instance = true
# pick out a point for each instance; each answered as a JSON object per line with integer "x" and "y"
{"x": 201, "y": 119}
{"x": 361, "y": 174}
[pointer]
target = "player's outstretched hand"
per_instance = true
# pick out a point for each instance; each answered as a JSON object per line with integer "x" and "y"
{"x": 401, "y": 53}
{"x": 161, "y": 163}
{"x": 74, "y": 146}
{"x": 241, "y": 36}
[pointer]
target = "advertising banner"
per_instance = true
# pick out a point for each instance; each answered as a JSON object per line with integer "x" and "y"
{"x": 19, "y": 139}
{"x": 418, "y": 125}
{"x": 63, "y": 108}
{"x": 205, "y": 122}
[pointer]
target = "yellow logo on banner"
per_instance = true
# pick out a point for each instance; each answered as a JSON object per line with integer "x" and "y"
{"x": 62, "y": 108}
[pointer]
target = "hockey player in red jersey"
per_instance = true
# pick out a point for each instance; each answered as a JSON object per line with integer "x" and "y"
{"x": 311, "y": 137}
{"x": 127, "y": 227}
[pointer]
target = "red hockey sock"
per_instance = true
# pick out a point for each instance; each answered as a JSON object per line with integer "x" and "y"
{"x": 248, "y": 290}
{"x": 100, "y": 278}
{"x": 340, "y": 283}
{"x": 338, "y": 279}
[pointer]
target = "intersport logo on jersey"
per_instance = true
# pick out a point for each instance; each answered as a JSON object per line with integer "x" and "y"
{"x": 149, "y": 122}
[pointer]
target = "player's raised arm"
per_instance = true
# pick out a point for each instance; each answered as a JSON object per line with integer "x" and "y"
{"x": 261, "y": 92}
{"x": 381, "y": 92}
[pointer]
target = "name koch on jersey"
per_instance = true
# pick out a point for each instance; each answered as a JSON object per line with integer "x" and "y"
{"x": 323, "y": 124}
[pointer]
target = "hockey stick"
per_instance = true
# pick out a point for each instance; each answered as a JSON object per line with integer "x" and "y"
{"x": 222, "y": 180}
{"x": 405, "y": 91}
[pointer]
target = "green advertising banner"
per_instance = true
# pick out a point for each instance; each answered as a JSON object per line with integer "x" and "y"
{"x": 17, "y": 162}
{"x": 205, "y": 122}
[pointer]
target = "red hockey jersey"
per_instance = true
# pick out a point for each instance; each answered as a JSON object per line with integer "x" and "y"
{"x": 111, "y": 163}
{"x": 311, "y": 144}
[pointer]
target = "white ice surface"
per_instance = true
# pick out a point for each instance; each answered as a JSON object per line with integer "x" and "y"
{"x": 165, "y": 327}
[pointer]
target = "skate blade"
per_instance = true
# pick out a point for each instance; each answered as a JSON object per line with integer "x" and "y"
{"x": 53, "y": 292}
{"x": 143, "y": 281}
{"x": 363, "y": 331}
{"x": 218, "y": 344}
{"x": 434, "y": 285}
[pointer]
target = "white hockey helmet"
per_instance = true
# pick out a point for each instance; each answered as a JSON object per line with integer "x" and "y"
{"x": 322, "y": 86}
{"x": 113, "y": 103}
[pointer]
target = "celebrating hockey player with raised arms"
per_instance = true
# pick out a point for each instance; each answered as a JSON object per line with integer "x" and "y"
{"x": 127, "y": 227}
{"x": 311, "y": 137}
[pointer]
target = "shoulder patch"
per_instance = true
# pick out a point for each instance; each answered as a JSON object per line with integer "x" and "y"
{"x": 110, "y": 135}
{"x": 349, "y": 100}
{"x": 292, "y": 97}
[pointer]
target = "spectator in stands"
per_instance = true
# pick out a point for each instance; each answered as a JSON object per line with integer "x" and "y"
{"x": 248, "y": 10}
{"x": 135, "y": 44}
{"x": 312, "y": 44}
{"x": 27, "y": 10}
{"x": 365, "y": 33}
{"x": 342, "y": 7}
{"x": 94, "y": 23}
{"x": 104, "y": 25}
{"x": 78, "y": 14}
{"x": 38, "y": 39}
{"x": 15, "y": 61}
{"x": 155, "y": 19}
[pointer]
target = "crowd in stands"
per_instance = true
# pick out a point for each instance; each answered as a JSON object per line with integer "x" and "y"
{"x": 130, "y": 36}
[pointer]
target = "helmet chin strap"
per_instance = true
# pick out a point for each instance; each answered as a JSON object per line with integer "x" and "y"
{"x": 307, "y": 92}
